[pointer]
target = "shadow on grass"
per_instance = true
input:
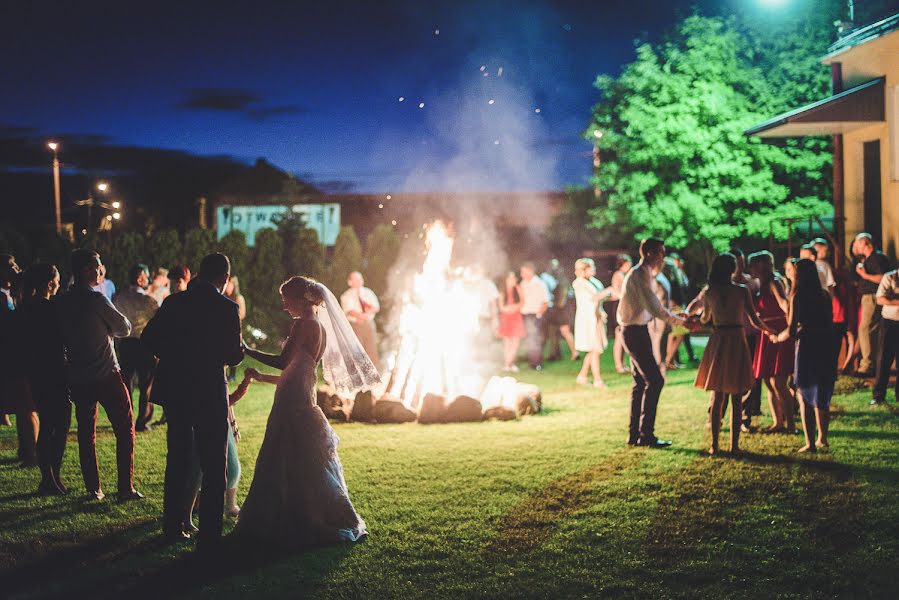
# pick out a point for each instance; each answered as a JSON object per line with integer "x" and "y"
{"x": 136, "y": 562}
{"x": 526, "y": 526}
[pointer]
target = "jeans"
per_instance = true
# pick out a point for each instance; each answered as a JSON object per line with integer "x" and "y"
{"x": 648, "y": 383}
{"x": 889, "y": 351}
{"x": 109, "y": 392}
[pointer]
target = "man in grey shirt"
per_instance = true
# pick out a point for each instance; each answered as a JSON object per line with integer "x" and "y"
{"x": 89, "y": 322}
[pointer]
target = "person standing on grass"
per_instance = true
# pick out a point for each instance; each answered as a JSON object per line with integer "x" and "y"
{"x": 89, "y": 323}
{"x": 623, "y": 265}
{"x": 9, "y": 272}
{"x": 773, "y": 363}
{"x": 511, "y": 324}
{"x": 137, "y": 362}
{"x": 43, "y": 361}
{"x": 361, "y": 305}
{"x": 589, "y": 329}
{"x": 195, "y": 335}
{"x": 639, "y": 304}
{"x": 726, "y": 366}
{"x": 535, "y": 300}
{"x": 888, "y": 299}
{"x": 810, "y": 323}
{"x": 872, "y": 264}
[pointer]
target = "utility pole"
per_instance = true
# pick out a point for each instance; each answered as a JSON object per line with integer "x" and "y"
{"x": 201, "y": 202}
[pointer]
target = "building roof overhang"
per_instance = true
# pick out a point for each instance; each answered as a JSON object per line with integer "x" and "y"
{"x": 847, "y": 111}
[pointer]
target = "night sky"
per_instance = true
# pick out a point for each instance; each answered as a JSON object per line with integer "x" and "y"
{"x": 315, "y": 87}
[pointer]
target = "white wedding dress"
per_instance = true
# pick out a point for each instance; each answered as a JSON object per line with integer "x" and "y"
{"x": 298, "y": 496}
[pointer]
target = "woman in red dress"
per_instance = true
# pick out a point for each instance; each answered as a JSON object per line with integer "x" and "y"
{"x": 773, "y": 363}
{"x": 511, "y": 324}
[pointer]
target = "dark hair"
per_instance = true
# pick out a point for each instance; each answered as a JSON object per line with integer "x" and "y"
{"x": 737, "y": 252}
{"x": 808, "y": 282}
{"x": 516, "y": 297}
{"x": 811, "y": 303}
{"x": 723, "y": 268}
{"x": 178, "y": 273}
{"x": 214, "y": 267}
{"x": 621, "y": 260}
{"x": 764, "y": 257}
{"x": 811, "y": 249}
{"x": 303, "y": 288}
{"x": 650, "y": 246}
{"x": 80, "y": 260}
{"x": 135, "y": 271}
{"x": 36, "y": 278}
{"x": 8, "y": 268}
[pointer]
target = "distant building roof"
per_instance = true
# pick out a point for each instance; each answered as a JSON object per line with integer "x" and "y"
{"x": 864, "y": 34}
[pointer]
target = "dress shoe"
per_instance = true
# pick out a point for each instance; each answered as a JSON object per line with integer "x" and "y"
{"x": 144, "y": 428}
{"x": 97, "y": 496}
{"x": 654, "y": 443}
{"x": 130, "y": 495}
{"x": 632, "y": 441}
{"x": 49, "y": 488}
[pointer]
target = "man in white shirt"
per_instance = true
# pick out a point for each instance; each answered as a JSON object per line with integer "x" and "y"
{"x": 361, "y": 305}
{"x": 825, "y": 271}
{"x": 535, "y": 301}
{"x": 887, "y": 297}
{"x": 639, "y": 305}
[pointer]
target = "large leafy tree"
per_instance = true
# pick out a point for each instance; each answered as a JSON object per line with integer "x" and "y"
{"x": 164, "y": 249}
{"x": 261, "y": 285}
{"x": 383, "y": 248}
{"x": 303, "y": 253}
{"x": 675, "y": 160}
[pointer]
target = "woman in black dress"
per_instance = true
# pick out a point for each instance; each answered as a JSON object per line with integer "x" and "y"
{"x": 810, "y": 323}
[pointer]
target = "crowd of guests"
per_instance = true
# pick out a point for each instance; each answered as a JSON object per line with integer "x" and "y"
{"x": 80, "y": 345}
{"x": 541, "y": 309}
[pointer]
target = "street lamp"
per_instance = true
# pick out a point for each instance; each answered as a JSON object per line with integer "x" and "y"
{"x": 54, "y": 146}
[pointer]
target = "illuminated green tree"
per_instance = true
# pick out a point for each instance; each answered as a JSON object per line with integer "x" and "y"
{"x": 303, "y": 253}
{"x": 675, "y": 160}
{"x": 261, "y": 283}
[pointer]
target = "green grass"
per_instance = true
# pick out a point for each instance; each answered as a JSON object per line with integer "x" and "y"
{"x": 551, "y": 506}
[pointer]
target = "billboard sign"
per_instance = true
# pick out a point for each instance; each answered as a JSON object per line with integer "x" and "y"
{"x": 323, "y": 218}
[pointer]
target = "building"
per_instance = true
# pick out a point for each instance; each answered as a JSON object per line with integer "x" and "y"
{"x": 256, "y": 199}
{"x": 863, "y": 117}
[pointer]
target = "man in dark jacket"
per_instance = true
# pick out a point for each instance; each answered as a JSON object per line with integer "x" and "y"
{"x": 195, "y": 334}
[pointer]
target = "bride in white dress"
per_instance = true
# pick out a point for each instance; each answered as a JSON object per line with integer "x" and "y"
{"x": 298, "y": 496}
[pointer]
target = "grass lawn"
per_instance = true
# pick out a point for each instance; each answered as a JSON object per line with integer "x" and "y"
{"x": 551, "y": 506}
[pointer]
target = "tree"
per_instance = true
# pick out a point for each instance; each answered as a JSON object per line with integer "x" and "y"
{"x": 124, "y": 251}
{"x": 346, "y": 259}
{"x": 383, "y": 247}
{"x": 572, "y": 230}
{"x": 164, "y": 249}
{"x": 234, "y": 246}
{"x": 197, "y": 244}
{"x": 675, "y": 161}
{"x": 261, "y": 285}
{"x": 303, "y": 253}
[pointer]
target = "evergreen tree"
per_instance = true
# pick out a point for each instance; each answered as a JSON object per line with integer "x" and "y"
{"x": 303, "y": 253}
{"x": 234, "y": 246}
{"x": 125, "y": 251}
{"x": 197, "y": 244}
{"x": 261, "y": 285}
{"x": 346, "y": 259}
{"x": 383, "y": 247}
{"x": 163, "y": 249}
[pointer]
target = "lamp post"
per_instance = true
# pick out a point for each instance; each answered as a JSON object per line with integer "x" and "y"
{"x": 54, "y": 147}
{"x": 89, "y": 202}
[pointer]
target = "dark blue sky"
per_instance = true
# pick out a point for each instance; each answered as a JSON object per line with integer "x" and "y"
{"x": 314, "y": 87}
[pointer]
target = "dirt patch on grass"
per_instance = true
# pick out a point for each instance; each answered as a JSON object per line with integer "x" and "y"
{"x": 533, "y": 521}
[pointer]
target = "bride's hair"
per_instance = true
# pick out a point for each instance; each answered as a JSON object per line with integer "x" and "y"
{"x": 303, "y": 288}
